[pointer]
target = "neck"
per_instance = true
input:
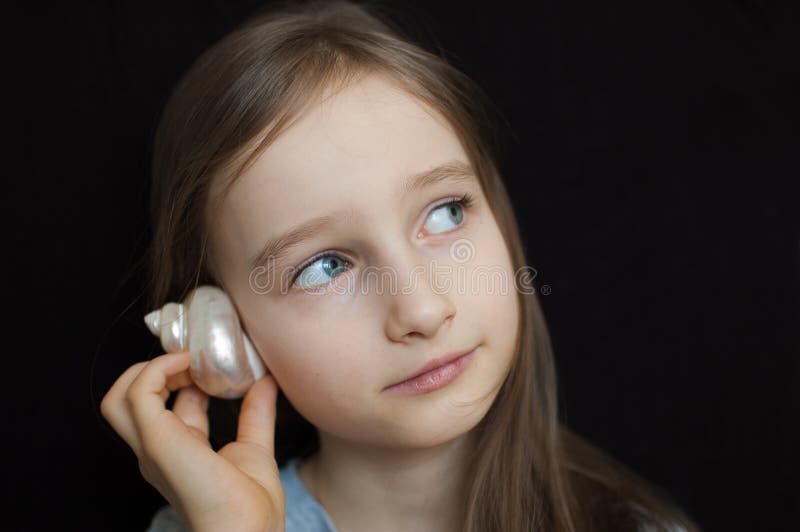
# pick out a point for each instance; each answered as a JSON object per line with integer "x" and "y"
{"x": 369, "y": 488}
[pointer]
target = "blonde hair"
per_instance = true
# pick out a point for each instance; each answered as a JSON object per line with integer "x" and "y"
{"x": 530, "y": 472}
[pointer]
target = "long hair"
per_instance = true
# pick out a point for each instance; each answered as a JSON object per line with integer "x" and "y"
{"x": 530, "y": 472}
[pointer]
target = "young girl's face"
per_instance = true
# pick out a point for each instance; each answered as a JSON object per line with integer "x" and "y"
{"x": 442, "y": 279}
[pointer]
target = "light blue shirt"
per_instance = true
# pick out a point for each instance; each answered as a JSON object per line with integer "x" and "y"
{"x": 303, "y": 512}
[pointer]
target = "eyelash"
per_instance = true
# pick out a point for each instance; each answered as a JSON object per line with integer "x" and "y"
{"x": 465, "y": 202}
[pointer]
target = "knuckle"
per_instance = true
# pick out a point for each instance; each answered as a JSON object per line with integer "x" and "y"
{"x": 132, "y": 398}
{"x": 130, "y": 401}
{"x": 106, "y": 407}
{"x": 136, "y": 384}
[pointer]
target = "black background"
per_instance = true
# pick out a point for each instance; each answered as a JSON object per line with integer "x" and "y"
{"x": 653, "y": 164}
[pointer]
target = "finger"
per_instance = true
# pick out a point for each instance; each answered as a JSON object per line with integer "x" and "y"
{"x": 114, "y": 408}
{"x": 177, "y": 381}
{"x": 148, "y": 392}
{"x": 191, "y": 405}
{"x": 257, "y": 414}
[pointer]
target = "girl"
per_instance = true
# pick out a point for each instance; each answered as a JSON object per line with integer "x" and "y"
{"x": 314, "y": 144}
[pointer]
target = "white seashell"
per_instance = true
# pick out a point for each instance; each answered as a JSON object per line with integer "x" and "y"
{"x": 169, "y": 324}
{"x": 224, "y": 361}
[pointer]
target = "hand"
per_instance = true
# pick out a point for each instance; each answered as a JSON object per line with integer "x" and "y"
{"x": 236, "y": 488}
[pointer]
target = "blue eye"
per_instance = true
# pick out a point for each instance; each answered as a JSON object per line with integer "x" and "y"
{"x": 328, "y": 265}
{"x": 451, "y": 212}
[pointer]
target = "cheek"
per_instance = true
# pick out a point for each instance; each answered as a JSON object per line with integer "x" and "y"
{"x": 302, "y": 357}
{"x": 503, "y": 322}
{"x": 320, "y": 369}
{"x": 494, "y": 289}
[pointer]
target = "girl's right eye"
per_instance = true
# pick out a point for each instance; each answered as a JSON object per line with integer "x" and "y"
{"x": 327, "y": 264}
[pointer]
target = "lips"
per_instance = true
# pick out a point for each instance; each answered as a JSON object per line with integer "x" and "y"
{"x": 433, "y": 364}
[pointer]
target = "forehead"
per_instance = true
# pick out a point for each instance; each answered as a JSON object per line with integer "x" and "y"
{"x": 353, "y": 147}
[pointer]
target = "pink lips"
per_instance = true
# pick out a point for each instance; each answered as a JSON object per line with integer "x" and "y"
{"x": 434, "y": 375}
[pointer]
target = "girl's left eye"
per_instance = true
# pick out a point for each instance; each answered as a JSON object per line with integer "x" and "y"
{"x": 326, "y": 264}
{"x": 451, "y": 210}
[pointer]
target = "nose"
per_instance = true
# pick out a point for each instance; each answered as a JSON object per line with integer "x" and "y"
{"x": 416, "y": 307}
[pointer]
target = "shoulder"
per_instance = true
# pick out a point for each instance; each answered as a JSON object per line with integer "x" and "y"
{"x": 166, "y": 519}
{"x": 647, "y": 524}
{"x": 303, "y": 512}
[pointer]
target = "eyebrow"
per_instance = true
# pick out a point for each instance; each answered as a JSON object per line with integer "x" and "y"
{"x": 454, "y": 171}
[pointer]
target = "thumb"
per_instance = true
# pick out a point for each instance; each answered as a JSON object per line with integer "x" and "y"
{"x": 253, "y": 452}
{"x": 257, "y": 414}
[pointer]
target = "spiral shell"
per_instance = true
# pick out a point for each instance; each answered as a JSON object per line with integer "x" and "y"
{"x": 224, "y": 361}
